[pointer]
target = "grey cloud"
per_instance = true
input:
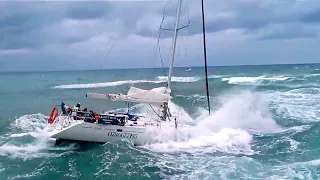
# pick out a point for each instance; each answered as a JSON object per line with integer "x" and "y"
{"x": 29, "y": 24}
{"x": 21, "y": 23}
{"x": 251, "y": 16}
{"x": 34, "y": 24}
{"x": 87, "y": 10}
{"x": 289, "y": 31}
{"x": 311, "y": 17}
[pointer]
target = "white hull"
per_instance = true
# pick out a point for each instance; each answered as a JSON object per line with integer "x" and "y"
{"x": 65, "y": 128}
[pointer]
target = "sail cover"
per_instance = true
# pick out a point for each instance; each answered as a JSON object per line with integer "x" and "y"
{"x": 154, "y": 96}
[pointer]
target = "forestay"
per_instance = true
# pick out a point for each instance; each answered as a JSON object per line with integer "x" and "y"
{"x": 154, "y": 96}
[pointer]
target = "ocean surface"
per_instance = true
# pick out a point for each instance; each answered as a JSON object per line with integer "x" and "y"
{"x": 264, "y": 124}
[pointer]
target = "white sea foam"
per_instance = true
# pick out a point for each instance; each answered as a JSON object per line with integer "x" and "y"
{"x": 296, "y": 129}
{"x": 159, "y": 79}
{"x": 311, "y": 75}
{"x": 196, "y": 97}
{"x": 29, "y": 151}
{"x": 31, "y": 125}
{"x": 19, "y": 135}
{"x": 301, "y": 104}
{"x": 229, "y": 129}
{"x": 105, "y": 84}
{"x": 250, "y": 80}
{"x": 297, "y": 170}
{"x": 179, "y": 79}
{"x": 245, "y": 110}
{"x": 217, "y": 76}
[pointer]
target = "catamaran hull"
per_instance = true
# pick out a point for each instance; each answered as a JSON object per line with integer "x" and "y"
{"x": 100, "y": 133}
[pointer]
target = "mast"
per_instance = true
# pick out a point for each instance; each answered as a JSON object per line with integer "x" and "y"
{"x": 165, "y": 110}
{"x": 205, "y": 55}
{"x": 176, "y": 29}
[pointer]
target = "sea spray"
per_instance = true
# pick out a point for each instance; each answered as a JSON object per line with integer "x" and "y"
{"x": 34, "y": 126}
{"x": 228, "y": 129}
{"x": 245, "y": 110}
{"x": 159, "y": 79}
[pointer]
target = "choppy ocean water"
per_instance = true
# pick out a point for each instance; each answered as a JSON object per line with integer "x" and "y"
{"x": 264, "y": 125}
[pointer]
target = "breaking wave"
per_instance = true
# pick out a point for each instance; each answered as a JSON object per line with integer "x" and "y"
{"x": 250, "y": 80}
{"x": 311, "y": 75}
{"x": 159, "y": 79}
{"x": 105, "y": 84}
{"x": 298, "y": 104}
{"x": 222, "y": 131}
{"x": 179, "y": 79}
{"x": 32, "y": 128}
{"x": 245, "y": 80}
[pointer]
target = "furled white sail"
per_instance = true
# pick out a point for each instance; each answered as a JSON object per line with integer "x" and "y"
{"x": 154, "y": 96}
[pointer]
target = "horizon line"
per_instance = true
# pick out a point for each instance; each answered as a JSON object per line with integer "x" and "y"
{"x": 70, "y": 70}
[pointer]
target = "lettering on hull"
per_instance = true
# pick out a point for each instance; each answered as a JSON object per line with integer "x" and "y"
{"x": 123, "y": 135}
{"x": 118, "y": 134}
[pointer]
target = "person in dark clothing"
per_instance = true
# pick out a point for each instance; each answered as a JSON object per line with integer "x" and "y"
{"x": 78, "y": 106}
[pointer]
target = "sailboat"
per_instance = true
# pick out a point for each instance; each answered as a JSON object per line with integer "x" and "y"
{"x": 114, "y": 126}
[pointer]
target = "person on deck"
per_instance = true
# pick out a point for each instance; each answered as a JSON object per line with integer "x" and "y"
{"x": 75, "y": 112}
{"x": 77, "y": 107}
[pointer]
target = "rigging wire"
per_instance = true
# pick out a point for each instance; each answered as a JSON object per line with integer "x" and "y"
{"x": 188, "y": 15}
{"x": 154, "y": 110}
{"x": 160, "y": 28}
{"x": 107, "y": 53}
{"x": 106, "y": 37}
{"x": 114, "y": 42}
{"x": 101, "y": 48}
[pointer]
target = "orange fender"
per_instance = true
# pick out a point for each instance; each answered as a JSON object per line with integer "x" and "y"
{"x": 53, "y": 115}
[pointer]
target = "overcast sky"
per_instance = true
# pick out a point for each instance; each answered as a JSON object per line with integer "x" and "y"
{"x": 60, "y": 35}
